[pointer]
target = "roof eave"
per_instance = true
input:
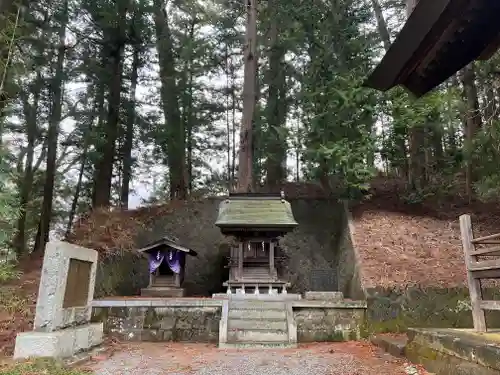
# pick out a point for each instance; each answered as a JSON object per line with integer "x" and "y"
{"x": 427, "y": 19}
{"x": 168, "y": 243}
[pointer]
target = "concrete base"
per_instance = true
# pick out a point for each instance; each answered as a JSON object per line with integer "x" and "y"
{"x": 163, "y": 292}
{"x": 58, "y": 344}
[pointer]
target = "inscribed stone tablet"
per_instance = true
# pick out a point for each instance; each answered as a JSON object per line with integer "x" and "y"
{"x": 77, "y": 283}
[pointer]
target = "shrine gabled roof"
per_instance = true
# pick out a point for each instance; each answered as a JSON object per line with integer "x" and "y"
{"x": 439, "y": 38}
{"x": 255, "y": 211}
{"x": 168, "y": 242}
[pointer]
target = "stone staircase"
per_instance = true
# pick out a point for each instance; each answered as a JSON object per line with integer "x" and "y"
{"x": 255, "y": 323}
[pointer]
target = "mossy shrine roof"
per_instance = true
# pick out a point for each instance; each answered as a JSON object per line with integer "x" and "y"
{"x": 248, "y": 211}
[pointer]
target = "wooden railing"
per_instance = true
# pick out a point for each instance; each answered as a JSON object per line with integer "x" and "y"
{"x": 479, "y": 269}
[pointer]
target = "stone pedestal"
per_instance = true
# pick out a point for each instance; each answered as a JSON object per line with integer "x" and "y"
{"x": 58, "y": 344}
{"x": 62, "y": 325}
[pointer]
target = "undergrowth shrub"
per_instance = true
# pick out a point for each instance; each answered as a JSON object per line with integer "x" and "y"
{"x": 8, "y": 272}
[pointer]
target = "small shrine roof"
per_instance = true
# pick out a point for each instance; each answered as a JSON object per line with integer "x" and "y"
{"x": 439, "y": 38}
{"x": 167, "y": 241}
{"x": 248, "y": 211}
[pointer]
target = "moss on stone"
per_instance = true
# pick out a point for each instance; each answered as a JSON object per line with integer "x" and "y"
{"x": 395, "y": 310}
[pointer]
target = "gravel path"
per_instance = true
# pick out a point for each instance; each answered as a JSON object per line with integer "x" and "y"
{"x": 198, "y": 359}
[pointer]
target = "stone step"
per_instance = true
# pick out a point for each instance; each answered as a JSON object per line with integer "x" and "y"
{"x": 257, "y": 345}
{"x": 256, "y": 305}
{"x": 244, "y": 324}
{"x": 394, "y": 345}
{"x": 247, "y": 336}
{"x": 162, "y": 292}
{"x": 257, "y": 314}
{"x": 164, "y": 282}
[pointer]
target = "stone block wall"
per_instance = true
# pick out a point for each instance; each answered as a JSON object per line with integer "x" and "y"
{"x": 347, "y": 259}
{"x": 454, "y": 351}
{"x": 150, "y": 323}
{"x": 395, "y": 310}
{"x": 339, "y": 322}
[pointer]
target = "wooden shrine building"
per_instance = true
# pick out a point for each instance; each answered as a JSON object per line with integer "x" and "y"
{"x": 256, "y": 222}
{"x": 167, "y": 261}
{"x": 439, "y": 38}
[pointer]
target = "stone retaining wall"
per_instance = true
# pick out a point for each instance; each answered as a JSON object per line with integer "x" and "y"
{"x": 191, "y": 321}
{"x": 197, "y": 320}
{"x": 330, "y": 321}
{"x": 454, "y": 351}
{"x": 395, "y": 310}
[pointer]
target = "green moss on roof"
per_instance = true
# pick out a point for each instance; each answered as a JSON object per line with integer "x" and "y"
{"x": 258, "y": 212}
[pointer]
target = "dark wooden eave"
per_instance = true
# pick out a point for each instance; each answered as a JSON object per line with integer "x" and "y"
{"x": 166, "y": 242}
{"x": 439, "y": 38}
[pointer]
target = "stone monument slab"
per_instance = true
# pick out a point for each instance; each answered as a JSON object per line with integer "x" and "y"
{"x": 61, "y": 302}
{"x": 64, "y": 306}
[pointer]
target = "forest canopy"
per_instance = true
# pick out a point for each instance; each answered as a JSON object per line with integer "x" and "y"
{"x": 105, "y": 102}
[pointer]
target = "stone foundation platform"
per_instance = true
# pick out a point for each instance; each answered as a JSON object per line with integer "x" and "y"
{"x": 58, "y": 344}
{"x": 455, "y": 351}
{"x": 198, "y": 319}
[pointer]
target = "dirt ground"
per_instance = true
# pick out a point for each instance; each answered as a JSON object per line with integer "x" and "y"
{"x": 349, "y": 358}
{"x": 17, "y": 304}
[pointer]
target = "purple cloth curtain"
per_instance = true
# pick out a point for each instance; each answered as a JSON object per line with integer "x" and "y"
{"x": 171, "y": 257}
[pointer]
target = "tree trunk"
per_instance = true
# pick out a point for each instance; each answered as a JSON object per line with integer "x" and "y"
{"x": 30, "y": 114}
{"x": 249, "y": 86}
{"x": 42, "y": 236}
{"x": 381, "y": 25}
{"x": 233, "y": 125}
{"x": 276, "y": 105}
{"x": 228, "y": 123}
{"x": 187, "y": 105}
{"x": 490, "y": 112}
{"x": 129, "y": 134}
{"x": 175, "y": 140}
{"x": 472, "y": 122}
{"x": 98, "y": 111}
{"x": 417, "y": 137}
{"x": 115, "y": 44}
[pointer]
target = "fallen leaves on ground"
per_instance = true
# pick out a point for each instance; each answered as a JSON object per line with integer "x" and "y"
{"x": 401, "y": 244}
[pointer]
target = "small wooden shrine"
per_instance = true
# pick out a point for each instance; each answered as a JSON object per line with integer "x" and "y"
{"x": 256, "y": 222}
{"x": 439, "y": 38}
{"x": 167, "y": 261}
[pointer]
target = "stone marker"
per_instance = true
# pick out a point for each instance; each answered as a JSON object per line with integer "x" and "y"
{"x": 62, "y": 325}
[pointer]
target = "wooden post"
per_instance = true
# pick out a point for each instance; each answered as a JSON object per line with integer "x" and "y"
{"x": 152, "y": 278}
{"x": 177, "y": 280}
{"x": 271, "y": 259}
{"x": 240, "y": 260}
{"x": 476, "y": 294}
